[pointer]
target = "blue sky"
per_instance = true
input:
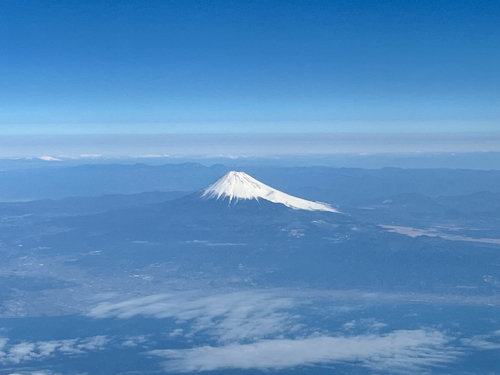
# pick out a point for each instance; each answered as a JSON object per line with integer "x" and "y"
{"x": 74, "y": 67}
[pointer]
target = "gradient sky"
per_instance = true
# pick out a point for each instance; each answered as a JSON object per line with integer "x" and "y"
{"x": 249, "y": 66}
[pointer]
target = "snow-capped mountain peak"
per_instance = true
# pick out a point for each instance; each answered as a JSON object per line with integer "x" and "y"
{"x": 241, "y": 186}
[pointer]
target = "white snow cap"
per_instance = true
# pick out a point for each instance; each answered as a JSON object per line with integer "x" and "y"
{"x": 239, "y": 185}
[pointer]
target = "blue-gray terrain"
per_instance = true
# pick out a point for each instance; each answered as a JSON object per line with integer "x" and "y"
{"x": 131, "y": 269}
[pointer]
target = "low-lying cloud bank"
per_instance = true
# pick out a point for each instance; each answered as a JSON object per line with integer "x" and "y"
{"x": 26, "y": 351}
{"x": 225, "y": 317}
{"x": 264, "y": 330}
{"x": 402, "y": 350}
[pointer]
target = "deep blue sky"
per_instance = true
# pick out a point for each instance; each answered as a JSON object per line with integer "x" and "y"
{"x": 249, "y": 66}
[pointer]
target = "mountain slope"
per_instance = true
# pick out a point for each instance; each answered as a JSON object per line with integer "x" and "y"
{"x": 236, "y": 186}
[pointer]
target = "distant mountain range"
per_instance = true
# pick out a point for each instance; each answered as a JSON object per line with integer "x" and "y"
{"x": 336, "y": 186}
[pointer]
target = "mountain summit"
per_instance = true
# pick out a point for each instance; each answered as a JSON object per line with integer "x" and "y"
{"x": 237, "y": 186}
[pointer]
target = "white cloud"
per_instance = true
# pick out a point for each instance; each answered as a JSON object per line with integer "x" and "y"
{"x": 261, "y": 330}
{"x": 46, "y": 348}
{"x": 92, "y": 156}
{"x": 92, "y": 343}
{"x": 227, "y": 317}
{"x": 48, "y": 158}
{"x": 22, "y": 352}
{"x": 402, "y": 351}
{"x": 3, "y": 343}
{"x": 134, "y": 341}
{"x": 483, "y": 342}
{"x": 26, "y": 351}
{"x": 366, "y": 324}
{"x": 176, "y": 332}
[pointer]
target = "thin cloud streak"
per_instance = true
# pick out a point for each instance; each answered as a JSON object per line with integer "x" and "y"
{"x": 263, "y": 330}
{"x": 244, "y": 145}
{"x": 226, "y": 317}
{"x": 399, "y": 351}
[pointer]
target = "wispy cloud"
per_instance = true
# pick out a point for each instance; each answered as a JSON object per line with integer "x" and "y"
{"x": 134, "y": 341}
{"x": 26, "y": 351}
{"x": 400, "y": 351}
{"x": 483, "y": 342}
{"x": 226, "y": 317}
{"x": 263, "y": 330}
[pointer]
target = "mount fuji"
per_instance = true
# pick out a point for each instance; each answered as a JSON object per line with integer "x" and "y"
{"x": 236, "y": 186}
